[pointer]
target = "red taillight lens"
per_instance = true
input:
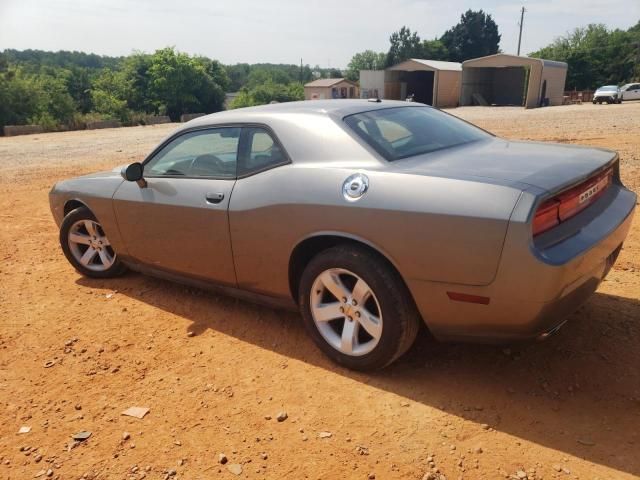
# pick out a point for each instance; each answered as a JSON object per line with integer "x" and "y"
{"x": 580, "y": 197}
{"x": 569, "y": 203}
{"x": 547, "y": 217}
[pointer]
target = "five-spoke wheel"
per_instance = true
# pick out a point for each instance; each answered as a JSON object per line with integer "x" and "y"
{"x": 346, "y": 311}
{"x": 356, "y": 307}
{"x": 90, "y": 246}
{"x": 86, "y": 246}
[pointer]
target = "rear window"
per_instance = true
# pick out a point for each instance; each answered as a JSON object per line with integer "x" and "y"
{"x": 403, "y": 132}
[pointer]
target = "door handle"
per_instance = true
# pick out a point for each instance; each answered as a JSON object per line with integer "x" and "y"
{"x": 215, "y": 197}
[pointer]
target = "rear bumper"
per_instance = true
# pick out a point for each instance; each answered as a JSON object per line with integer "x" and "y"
{"x": 535, "y": 289}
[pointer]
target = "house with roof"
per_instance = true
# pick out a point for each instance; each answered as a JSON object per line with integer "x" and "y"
{"x": 328, "y": 88}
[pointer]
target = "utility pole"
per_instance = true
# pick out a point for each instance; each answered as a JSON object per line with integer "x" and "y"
{"x": 301, "y": 70}
{"x": 521, "y": 22}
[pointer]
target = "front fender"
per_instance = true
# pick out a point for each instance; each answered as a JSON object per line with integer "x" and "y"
{"x": 95, "y": 192}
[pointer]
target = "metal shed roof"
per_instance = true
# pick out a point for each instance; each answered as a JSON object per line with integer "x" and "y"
{"x": 414, "y": 64}
{"x": 554, "y": 63}
{"x": 511, "y": 60}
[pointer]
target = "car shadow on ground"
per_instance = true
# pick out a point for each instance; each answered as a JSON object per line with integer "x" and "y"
{"x": 578, "y": 392}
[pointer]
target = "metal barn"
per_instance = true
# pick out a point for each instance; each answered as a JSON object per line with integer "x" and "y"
{"x": 432, "y": 82}
{"x": 511, "y": 80}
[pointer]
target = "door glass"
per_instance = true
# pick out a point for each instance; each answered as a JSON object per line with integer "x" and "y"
{"x": 204, "y": 153}
{"x": 263, "y": 152}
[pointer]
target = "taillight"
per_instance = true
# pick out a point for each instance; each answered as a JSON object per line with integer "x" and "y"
{"x": 570, "y": 202}
{"x": 546, "y": 217}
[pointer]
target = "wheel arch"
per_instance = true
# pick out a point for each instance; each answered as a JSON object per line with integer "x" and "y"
{"x": 72, "y": 204}
{"x": 312, "y": 245}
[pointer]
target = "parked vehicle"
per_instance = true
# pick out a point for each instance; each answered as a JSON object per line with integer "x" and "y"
{"x": 630, "y": 91}
{"x": 369, "y": 217}
{"x": 608, "y": 93}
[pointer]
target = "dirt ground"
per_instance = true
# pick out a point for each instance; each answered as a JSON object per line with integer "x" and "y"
{"x": 565, "y": 408}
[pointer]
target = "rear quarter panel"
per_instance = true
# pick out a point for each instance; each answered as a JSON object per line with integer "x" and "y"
{"x": 433, "y": 229}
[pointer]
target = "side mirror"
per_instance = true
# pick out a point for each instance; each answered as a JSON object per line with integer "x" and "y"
{"x": 133, "y": 173}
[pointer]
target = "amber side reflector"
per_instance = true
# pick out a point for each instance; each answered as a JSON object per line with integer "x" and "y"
{"x": 465, "y": 297}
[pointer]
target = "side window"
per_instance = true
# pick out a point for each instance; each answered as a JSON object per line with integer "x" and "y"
{"x": 203, "y": 153}
{"x": 261, "y": 151}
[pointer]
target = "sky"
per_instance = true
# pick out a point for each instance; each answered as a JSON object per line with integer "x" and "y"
{"x": 325, "y": 33}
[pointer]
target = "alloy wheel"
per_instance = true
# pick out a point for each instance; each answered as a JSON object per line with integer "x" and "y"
{"x": 346, "y": 312}
{"x": 90, "y": 246}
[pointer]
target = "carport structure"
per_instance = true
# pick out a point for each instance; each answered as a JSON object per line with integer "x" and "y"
{"x": 432, "y": 82}
{"x": 512, "y": 80}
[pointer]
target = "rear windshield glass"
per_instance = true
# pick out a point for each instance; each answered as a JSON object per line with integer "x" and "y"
{"x": 407, "y": 131}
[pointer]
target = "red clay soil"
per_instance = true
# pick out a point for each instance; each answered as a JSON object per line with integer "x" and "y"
{"x": 76, "y": 352}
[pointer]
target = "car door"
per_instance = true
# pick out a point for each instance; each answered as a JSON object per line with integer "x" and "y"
{"x": 179, "y": 221}
{"x": 635, "y": 92}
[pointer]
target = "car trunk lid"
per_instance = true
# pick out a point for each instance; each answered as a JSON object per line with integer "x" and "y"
{"x": 551, "y": 167}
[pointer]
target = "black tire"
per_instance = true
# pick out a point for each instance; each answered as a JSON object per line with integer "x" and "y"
{"x": 594, "y": 101}
{"x": 401, "y": 320}
{"x": 79, "y": 214}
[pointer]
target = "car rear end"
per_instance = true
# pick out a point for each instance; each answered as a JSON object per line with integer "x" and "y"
{"x": 570, "y": 218}
{"x": 559, "y": 247}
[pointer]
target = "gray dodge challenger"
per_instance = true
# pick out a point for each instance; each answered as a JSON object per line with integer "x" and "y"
{"x": 370, "y": 217}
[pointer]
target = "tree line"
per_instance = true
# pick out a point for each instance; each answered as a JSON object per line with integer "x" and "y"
{"x": 597, "y": 56}
{"x": 475, "y": 35}
{"x": 67, "y": 89}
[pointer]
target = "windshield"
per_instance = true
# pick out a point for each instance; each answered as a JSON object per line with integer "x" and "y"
{"x": 403, "y": 132}
{"x": 609, "y": 88}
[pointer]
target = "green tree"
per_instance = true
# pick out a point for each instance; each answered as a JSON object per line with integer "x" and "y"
{"x": 109, "y": 95}
{"x": 405, "y": 44}
{"x": 268, "y": 92}
{"x": 434, "y": 50}
{"x": 55, "y": 105}
{"x": 367, "y": 60}
{"x": 476, "y": 35}
{"x": 596, "y": 55}
{"x": 28, "y": 98}
{"x": 238, "y": 75}
{"x": 136, "y": 75}
{"x": 216, "y": 71}
{"x": 261, "y": 75}
{"x": 180, "y": 84}
{"x": 79, "y": 87}
{"x": 18, "y": 98}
